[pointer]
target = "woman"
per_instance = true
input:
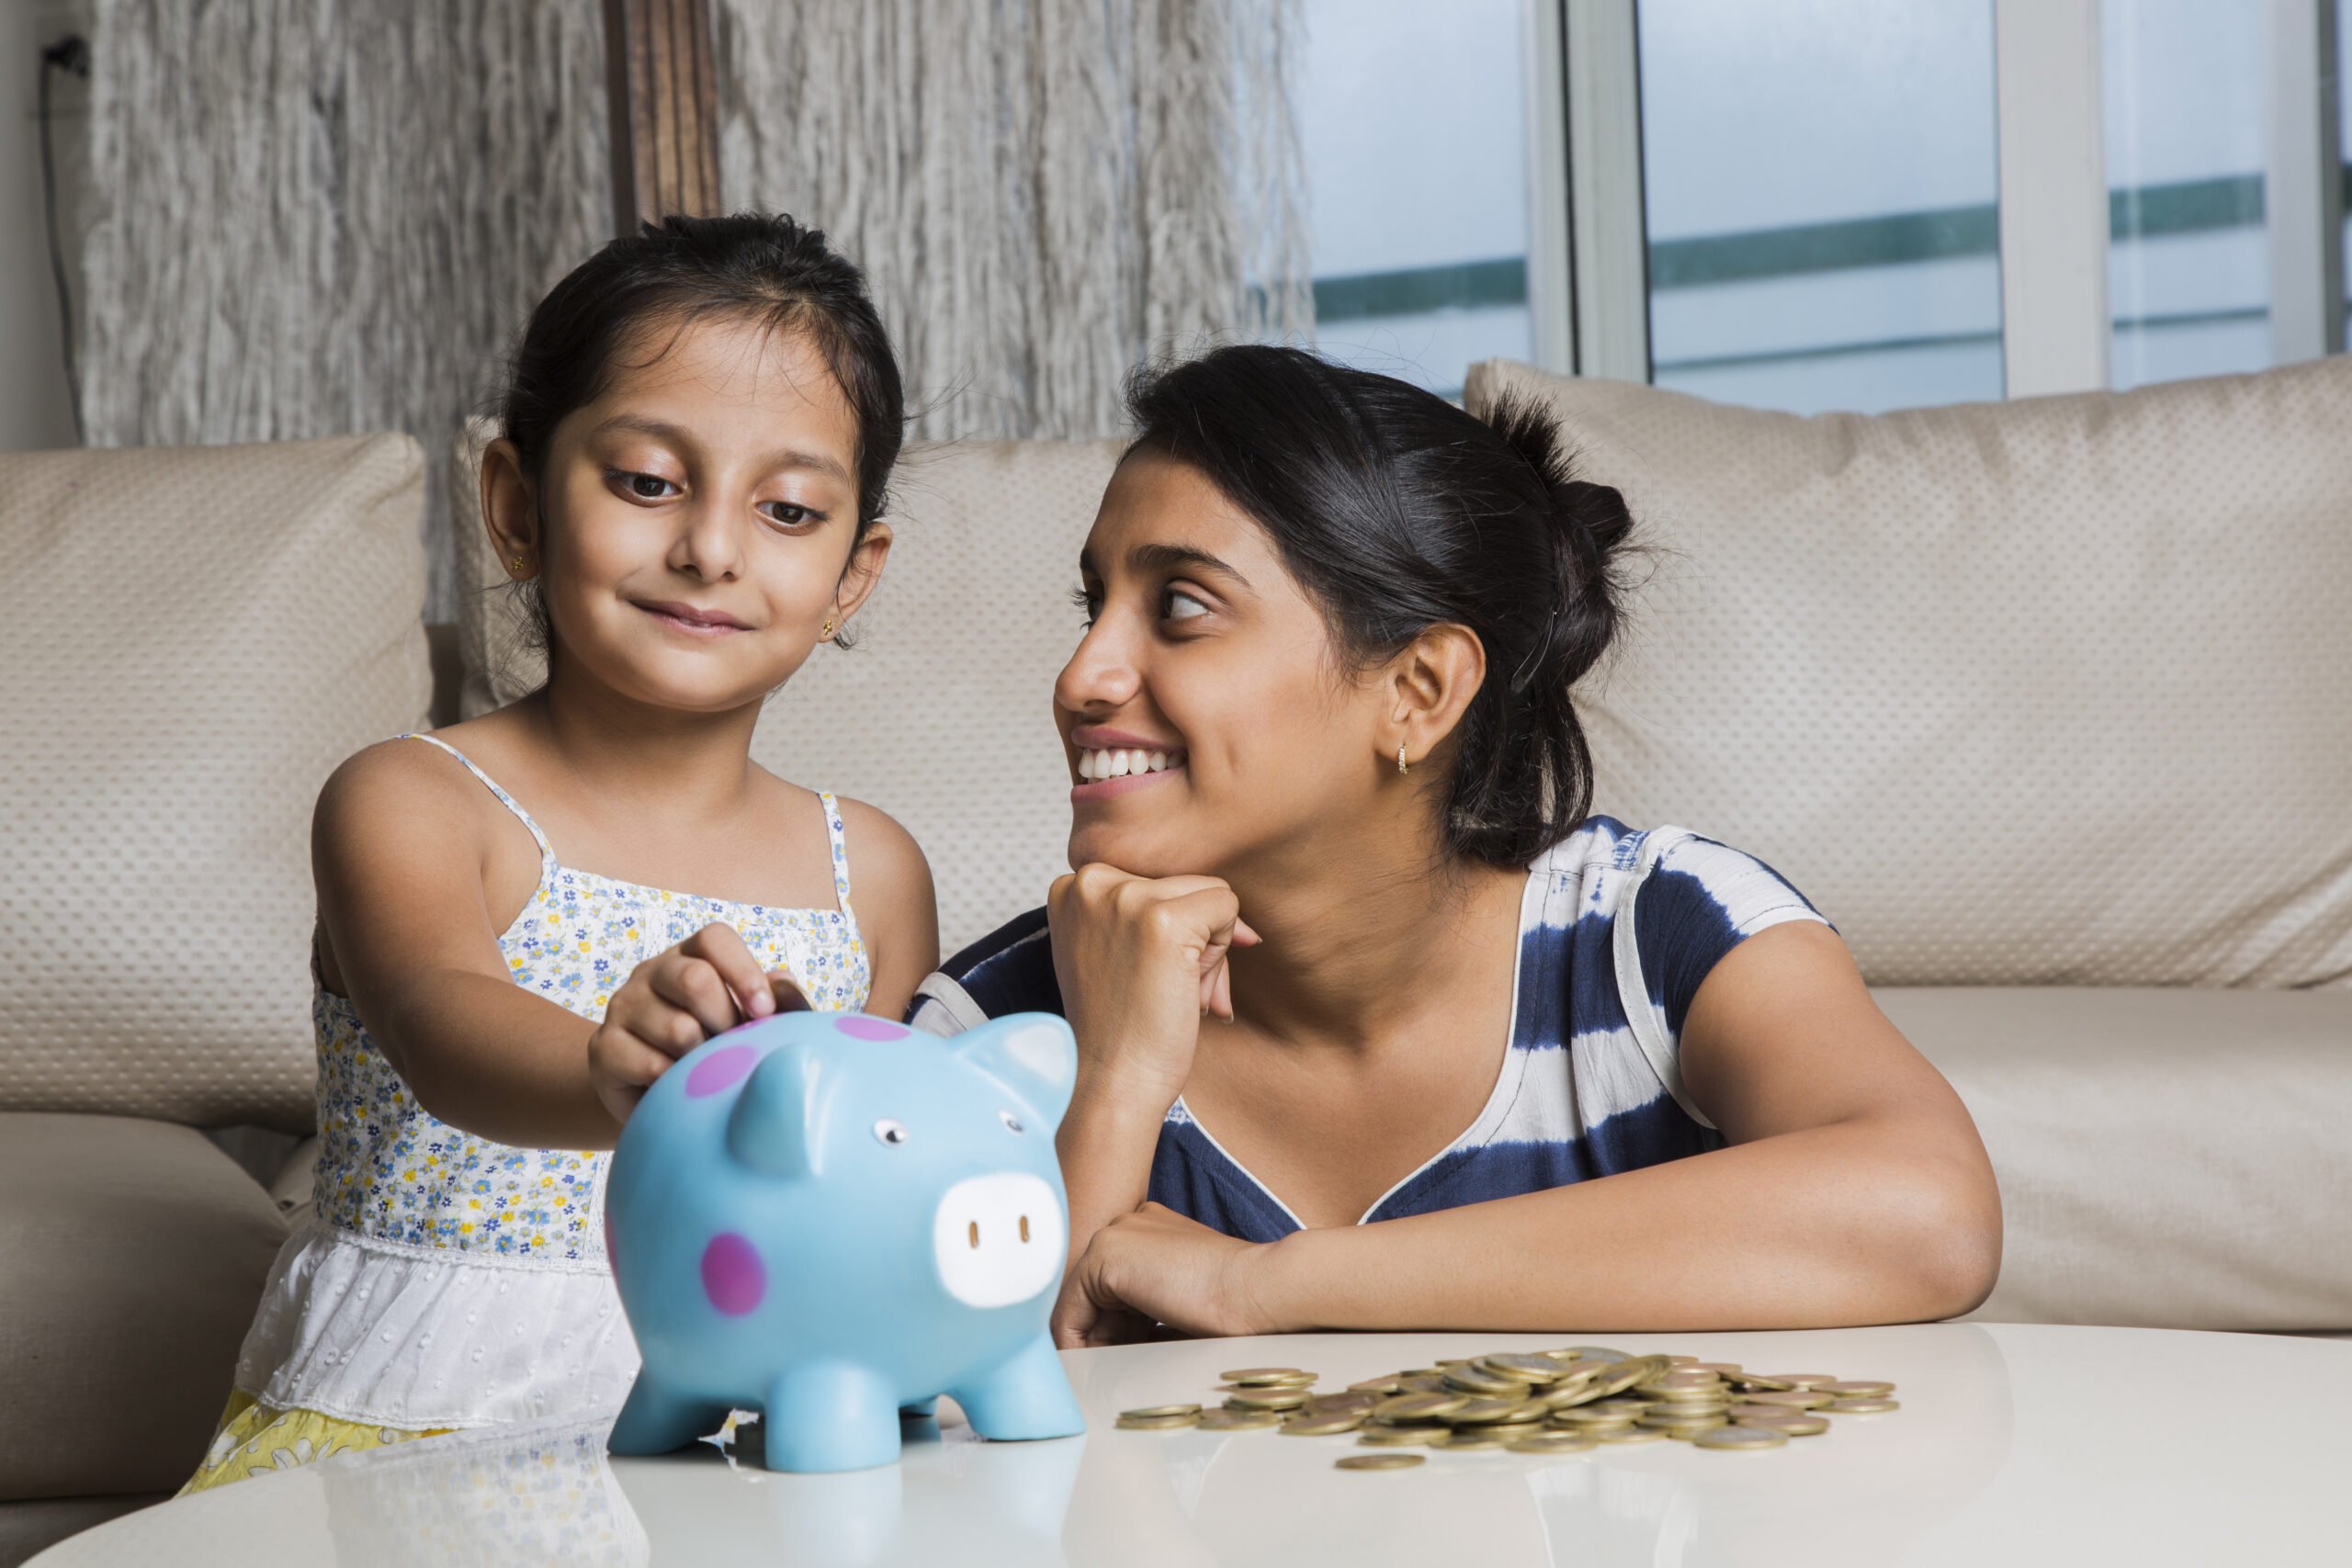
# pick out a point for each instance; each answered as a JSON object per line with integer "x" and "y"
{"x": 1343, "y": 946}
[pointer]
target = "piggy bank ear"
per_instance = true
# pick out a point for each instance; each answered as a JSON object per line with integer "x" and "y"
{"x": 1032, "y": 1053}
{"x": 777, "y": 1118}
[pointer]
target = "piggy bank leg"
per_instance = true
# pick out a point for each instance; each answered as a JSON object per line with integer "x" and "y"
{"x": 830, "y": 1415}
{"x": 1025, "y": 1395}
{"x": 921, "y": 1409}
{"x": 654, "y": 1420}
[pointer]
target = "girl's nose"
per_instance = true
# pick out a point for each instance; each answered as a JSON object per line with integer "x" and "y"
{"x": 710, "y": 545}
{"x": 1101, "y": 674}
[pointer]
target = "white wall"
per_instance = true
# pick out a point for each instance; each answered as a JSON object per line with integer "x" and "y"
{"x": 34, "y": 410}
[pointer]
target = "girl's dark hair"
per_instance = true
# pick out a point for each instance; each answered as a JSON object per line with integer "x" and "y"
{"x": 1396, "y": 511}
{"x": 757, "y": 266}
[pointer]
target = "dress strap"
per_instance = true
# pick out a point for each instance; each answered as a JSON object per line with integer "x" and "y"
{"x": 840, "y": 849}
{"x": 546, "y": 853}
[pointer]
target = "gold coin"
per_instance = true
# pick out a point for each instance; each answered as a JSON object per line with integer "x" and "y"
{"x": 1568, "y": 1395}
{"x": 1151, "y": 1412}
{"x": 1378, "y": 1386}
{"x": 1477, "y": 1411}
{"x": 1266, "y": 1399}
{"x": 1563, "y": 1357}
{"x": 1792, "y": 1424}
{"x": 1720, "y": 1368}
{"x": 1484, "y": 1385}
{"x": 1322, "y": 1425}
{"x": 1684, "y": 1385}
{"x": 1623, "y": 1375}
{"x": 1419, "y": 1406}
{"x": 1751, "y": 1382}
{"x": 1154, "y": 1423}
{"x": 1855, "y": 1390}
{"x": 1587, "y": 1415}
{"x": 1628, "y": 1435}
{"x": 1597, "y": 1353}
{"x": 1469, "y": 1438}
{"x": 1422, "y": 1382}
{"x": 1682, "y": 1360}
{"x": 1397, "y": 1437}
{"x": 1263, "y": 1375}
{"x": 1377, "y": 1461}
{"x": 1238, "y": 1421}
{"x": 1862, "y": 1406}
{"x": 1794, "y": 1399}
{"x": 1358, "y": 1402}
{"x": 1525, "y": 1368}
{"x": 1740, "y": 1438}
{"x": 1792, "y": 1380}
{"x": 1553, "y": 1443}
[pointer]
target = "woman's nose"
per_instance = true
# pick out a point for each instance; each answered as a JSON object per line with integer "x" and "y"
{"x": 1100, "y": 674}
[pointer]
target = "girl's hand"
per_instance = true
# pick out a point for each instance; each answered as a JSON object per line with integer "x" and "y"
{"x": 1140, "y": 962}
{"x": 1156, "y": 1267}
{"x": 671, "y": 1003}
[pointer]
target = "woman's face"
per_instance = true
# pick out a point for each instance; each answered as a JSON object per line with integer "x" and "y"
{"x": 701, "y": 514}
{"x": 1208, "y": 720}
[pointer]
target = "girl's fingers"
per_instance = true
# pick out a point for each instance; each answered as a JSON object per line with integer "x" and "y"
{"x": 786, "y": 992}
{"x": 722, "y": 947}
{"x": 692, "y": 986}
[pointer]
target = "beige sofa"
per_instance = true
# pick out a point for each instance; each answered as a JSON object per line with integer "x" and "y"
{"x": 2044, "y": 704}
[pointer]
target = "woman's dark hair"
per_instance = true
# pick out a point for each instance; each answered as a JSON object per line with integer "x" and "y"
{"x": 762, "y": 268}
{"x": 1396, "y": 511}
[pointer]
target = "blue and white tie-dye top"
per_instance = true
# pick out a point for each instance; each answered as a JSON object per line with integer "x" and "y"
{"x": 1616, "y": 932}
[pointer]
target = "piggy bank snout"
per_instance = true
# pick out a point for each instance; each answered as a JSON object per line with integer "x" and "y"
{"x": 999, "y": 1239}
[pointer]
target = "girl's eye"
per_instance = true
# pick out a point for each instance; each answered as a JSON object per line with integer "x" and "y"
{"x": 648, "y": 487}
{"x": 1178, "y": 601}
{"x": 790, "y": 513}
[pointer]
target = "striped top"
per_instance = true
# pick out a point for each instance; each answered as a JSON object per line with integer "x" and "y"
{"x": 1617, "y": 929}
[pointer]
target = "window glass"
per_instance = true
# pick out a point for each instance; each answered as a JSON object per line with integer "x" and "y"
{"x": 2189, "y": 267}
{"x": 1821, "y": 185}
{"x": 1415, "y": 138}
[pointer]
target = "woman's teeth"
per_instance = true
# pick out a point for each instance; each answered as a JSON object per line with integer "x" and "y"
{"x": 1094, "y": 765}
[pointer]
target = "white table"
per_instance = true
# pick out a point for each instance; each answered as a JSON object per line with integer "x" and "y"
{"x": 2016, "y": 1445}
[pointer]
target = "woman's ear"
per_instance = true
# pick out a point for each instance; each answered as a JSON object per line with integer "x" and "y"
{"x": 509, "y": 511}
{"x": 863, "y": 571}
{"x": 1429, "y": 686}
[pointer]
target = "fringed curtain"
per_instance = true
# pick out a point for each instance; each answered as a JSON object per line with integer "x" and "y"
{"x": 310, "y": 217}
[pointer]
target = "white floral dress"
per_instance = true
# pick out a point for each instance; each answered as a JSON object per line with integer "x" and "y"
{"x": 444, "y": 1281}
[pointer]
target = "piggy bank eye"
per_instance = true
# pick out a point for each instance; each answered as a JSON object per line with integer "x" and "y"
{"x": 890, "y": 1131}
{"x": 1012, "y": 1122}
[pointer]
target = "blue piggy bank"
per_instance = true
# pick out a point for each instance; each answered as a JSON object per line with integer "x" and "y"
{"x": 832, "y": 1218}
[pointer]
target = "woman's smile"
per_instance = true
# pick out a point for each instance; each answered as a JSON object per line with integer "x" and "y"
{"x": 1112, "y": 763}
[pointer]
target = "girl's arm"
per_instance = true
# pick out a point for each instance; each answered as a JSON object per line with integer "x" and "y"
{"x": 898, "y": 910}
{"x": 1855, "y": 1190}
{"x": 399, "y": 850}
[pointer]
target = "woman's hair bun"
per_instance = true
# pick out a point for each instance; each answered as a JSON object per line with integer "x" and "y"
{"x": 1596, "y": 531}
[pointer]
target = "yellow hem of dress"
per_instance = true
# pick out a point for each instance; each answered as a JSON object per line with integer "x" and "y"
{"x": 261, "y": 1440}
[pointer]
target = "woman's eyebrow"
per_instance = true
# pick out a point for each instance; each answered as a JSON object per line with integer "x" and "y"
{"x": 1182, "y": 557}
{"x": 661, "y": 430}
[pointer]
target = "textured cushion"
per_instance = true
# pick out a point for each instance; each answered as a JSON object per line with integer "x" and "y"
{"x": 942, "y": 714}
{"x": 135, "y": 1254}
{"x": 2167, "y": 1158}
{"x": 193, "y": 639}
{"x": 2048, "y": 692}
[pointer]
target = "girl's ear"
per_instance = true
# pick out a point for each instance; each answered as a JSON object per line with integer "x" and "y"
{"x": 509, "y": 510}
{"x": 862, "y": 572}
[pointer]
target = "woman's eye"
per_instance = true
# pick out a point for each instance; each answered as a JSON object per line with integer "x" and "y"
{"x": 1182, "y": 606}
{"x": 648, "y": 487}
{"x": 1087, "y": 603}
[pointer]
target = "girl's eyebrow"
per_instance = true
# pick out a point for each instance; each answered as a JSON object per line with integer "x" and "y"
{"x": 661, "y": 430}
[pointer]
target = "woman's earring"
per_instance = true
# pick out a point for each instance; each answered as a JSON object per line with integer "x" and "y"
{"x": 518, "y": 563}
{"x": 1400, "y": 759}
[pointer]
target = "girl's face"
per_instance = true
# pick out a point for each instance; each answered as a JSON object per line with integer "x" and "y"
{"x": 698, "y": 517}
{"x": 1208, "y": 720}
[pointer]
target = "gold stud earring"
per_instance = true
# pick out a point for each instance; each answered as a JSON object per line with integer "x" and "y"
{"x": 826, "y": 634}
{"x": 1400, "y": 759}
{"x": 518, "y": 563}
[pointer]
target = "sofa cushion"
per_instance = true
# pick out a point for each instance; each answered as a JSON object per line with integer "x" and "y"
{"x": 2167, "y": 1158}
{"x": 942, "y": 714}
{"x": 2047, "y": 692}
{"x": 194, "y": 639}
{"x": 135, "y": 1254}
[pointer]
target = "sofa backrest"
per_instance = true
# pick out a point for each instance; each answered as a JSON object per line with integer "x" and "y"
{"x": 942, "y": 714}
{"x": 193, "y": 639}
{"x": 2056, "y": 691}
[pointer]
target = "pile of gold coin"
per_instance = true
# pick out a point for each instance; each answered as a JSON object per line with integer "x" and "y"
{"x": 1547, "y": 1401}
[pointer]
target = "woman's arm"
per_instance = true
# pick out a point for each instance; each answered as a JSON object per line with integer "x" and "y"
{"x": 398, "y": 850}
{"x": 897, "y": 908}
{"x": 1854, "y": 1190}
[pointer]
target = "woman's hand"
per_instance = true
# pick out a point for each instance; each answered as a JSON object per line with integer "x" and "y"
{"x": 671, "y": 1003}
{"x": 1141, "y": 959}
{"x": 1156, "y": 1267}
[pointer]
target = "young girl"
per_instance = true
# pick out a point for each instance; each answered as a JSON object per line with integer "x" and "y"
{"x": 523, "y": 918}
{"x": 1342, "y": 945}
